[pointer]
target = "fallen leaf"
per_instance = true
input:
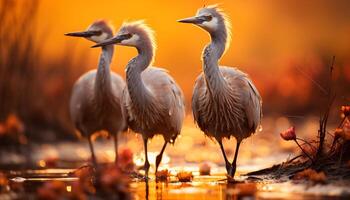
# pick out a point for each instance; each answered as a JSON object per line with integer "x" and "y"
{"x": 204, "y": 169}
{"x": 2, "y": 129}
{"x": 312, "y": 175}
{"x": 184, "y": 176}
{"x": 52, "y": 190}
{"x": 163, "y": 175}
{"x": 345, "y": 111}
{"x": 125, "y": 159}
{"x": 14, "y": 124}
{"x": 3, "y": 180}
{"x": 246, "y": 189}
{"x": 85, "y": 175}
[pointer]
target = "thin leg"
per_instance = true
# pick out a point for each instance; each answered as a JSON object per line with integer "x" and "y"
{"x": 147, "y": 189}
{"x": 93, "y": 157}
{"x": 146, "y": 166}
{"x": 160, "y": 156}
{"x": 115, "y": 136}
{"x": 227, "y": 163}
{"x": 234, "y": 162}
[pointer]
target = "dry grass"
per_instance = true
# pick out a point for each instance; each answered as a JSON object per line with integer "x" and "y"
{"x": 34, "y": 89}
{"x": 331, "y": 156}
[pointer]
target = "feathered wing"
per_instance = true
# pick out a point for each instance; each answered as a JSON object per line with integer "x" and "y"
{"x": 83, "y": 87}
{"x": 86, "y": 114}
{"x": 168, "y": 93}
{"x": 198, "y": 92}
{"x": 169, "y": 102}
{"x": 253, "y": 107}
{"x": 250, "y": 97}
{"x": 247, "y": 106}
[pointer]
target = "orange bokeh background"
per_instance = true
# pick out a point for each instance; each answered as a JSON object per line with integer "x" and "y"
{"x": 269, "y": 37}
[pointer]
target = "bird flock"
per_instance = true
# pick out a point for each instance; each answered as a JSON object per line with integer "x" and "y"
{"x": 225, "y": 101}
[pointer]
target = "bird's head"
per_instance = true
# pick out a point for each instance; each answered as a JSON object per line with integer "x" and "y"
{"x": 97, "y": 32}
{"x": 135, "y": 34}
{"x": 210, "y": 18}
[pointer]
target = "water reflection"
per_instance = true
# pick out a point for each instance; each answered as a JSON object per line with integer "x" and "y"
{"x": 147, "y": 189}
{"x": 201, "y": 187}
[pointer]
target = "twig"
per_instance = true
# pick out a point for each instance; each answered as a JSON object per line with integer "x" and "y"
{"x": 306, "y": 142}
{"x": 312, "y": 160}
{"x": 336, "y": 138}
{"x": 313, "y": 81}
{"x": 296, "y": 157}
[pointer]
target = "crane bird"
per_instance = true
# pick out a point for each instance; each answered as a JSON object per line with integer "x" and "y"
{"x": 155, "y": 103}
{"x": 225, "y": 101}
{"x": 96, "y": 100}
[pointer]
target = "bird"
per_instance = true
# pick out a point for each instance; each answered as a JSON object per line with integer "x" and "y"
{"x": 225, "y": 102}
{"x": 96, "y": 102}
{"x": 154, "y": 101}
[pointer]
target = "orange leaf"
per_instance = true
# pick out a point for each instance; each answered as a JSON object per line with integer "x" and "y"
{"x": 184, "y": 176}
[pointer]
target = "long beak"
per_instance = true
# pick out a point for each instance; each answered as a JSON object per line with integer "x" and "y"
{"x": 83, "y": 33}
{"x": 115, "y": 40}
{"x": 192, "y": 20}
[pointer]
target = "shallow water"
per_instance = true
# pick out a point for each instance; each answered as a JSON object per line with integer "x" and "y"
{"x": 201, "y": 187}
{"x": 55, "y": 161}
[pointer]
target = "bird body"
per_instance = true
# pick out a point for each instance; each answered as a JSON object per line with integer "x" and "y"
{"x": 96, "y": 109}
{"x": 154, "y": 101}
{"x": 162, "y": 114}
{"x": 96, "y": 102}
{"x": 228, "y": 110}
{"x": 225, "y": 101}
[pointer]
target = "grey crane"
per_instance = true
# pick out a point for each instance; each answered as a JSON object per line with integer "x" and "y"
{"x": 225, "y": 101}
{"x": 154, "y": 101}
{"x": 96, "y": 100}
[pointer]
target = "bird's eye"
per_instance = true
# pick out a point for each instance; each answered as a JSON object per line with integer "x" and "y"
{"x": 208, "y": 18}
{"x": 128, "y": 36}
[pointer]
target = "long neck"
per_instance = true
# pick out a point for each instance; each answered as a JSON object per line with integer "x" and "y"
{"x": 211, "y": 55}
{"x": 139, "y": 93}
{"x": 103, "y": 76}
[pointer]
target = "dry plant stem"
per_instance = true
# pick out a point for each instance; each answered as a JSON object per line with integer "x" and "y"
{"x": 115, "y": 137}
{"x": 304, "y": 151}
{"x": 336, "y": 138}
{"x": 324, "y": 120}
{"x": 341, "y": 155}
{"x": 296, "y": 157}
{"x": 306, "y": 142}
{"x": 323, "y": 127}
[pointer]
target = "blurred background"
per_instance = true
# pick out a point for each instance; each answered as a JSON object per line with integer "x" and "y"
{"x": 285, "y": 46}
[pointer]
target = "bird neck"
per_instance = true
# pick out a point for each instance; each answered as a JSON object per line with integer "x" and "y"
{"x": 138, "y": 92}
{"x": 218, "y": 40}
{"x": 211, "y": 55}
{"x": 103, "y": 76}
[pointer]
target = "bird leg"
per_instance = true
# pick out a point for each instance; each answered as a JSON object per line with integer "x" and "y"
{"x": 160, "y": 156}
{"x": 115, "y": 136}
{"x": 227, "y": 163}
{"x": 234, "y": 162}
{"x": 93, "y": 157}
{"x": 147, "y": 165}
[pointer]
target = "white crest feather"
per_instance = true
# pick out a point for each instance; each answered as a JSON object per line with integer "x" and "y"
{"x": 143, "y": 30}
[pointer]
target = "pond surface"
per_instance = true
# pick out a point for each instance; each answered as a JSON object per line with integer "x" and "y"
{"x": 201, "y": 187}
{"x": 46, "y": 162}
